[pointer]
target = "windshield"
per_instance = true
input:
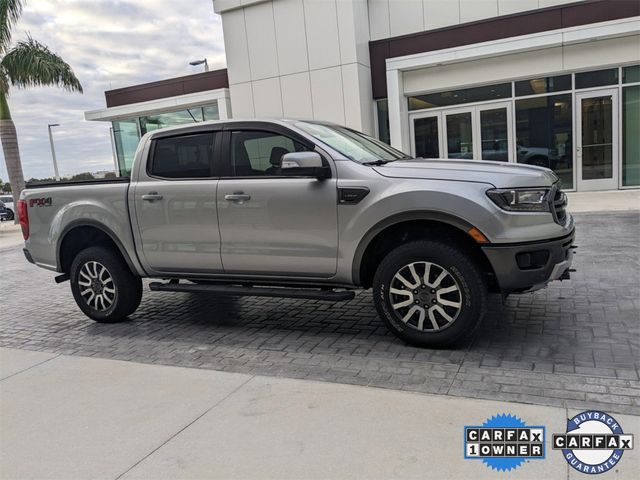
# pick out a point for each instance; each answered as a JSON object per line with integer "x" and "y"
{"x": 353, "y": 145}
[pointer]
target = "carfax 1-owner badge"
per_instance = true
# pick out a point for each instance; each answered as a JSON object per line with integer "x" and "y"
{"x": 593, "y": 443}
{"x": 504, "y": 442}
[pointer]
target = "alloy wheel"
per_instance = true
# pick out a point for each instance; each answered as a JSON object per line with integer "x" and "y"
{"x": 425, "y": 296}
{"x": 97, "y": 287}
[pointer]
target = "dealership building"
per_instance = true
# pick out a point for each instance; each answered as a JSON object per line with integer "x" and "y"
{"x": 543, "y": 82}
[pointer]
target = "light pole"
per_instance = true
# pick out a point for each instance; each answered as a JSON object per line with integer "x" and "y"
{"x": 200, "y": 62}
{"x": 53, "y": 150}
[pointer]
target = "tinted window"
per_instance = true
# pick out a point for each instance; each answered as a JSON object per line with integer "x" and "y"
{"x": 543, "y": 85}
{"x": 259, "y": 153}
{"x": 187, "y": 156}
{"x": 597, "y": 78}
{"x": 457, "y": 97}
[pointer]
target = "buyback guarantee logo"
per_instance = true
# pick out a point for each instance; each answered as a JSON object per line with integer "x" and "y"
{"x": 504, "y": 442}
{"x": 594, "y": 442}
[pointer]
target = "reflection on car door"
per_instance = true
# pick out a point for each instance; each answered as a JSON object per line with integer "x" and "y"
{"x": 271, "y": 224}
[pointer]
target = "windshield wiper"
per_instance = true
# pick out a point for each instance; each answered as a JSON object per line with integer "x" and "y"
{"x": 376, "y": 163}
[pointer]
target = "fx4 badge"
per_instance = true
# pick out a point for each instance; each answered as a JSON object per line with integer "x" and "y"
{"x": 40, "y": 202}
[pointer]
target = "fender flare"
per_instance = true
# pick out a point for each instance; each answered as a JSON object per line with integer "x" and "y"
{"x": 413, "y": 215}
{"x": 104, "y": 229}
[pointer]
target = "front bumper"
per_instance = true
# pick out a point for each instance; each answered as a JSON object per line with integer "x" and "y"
{"x": 525, "y": 267}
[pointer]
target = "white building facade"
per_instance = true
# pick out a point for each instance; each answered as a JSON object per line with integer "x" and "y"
{"x": 554, "y": 83}
{"x": 547, "y": 82}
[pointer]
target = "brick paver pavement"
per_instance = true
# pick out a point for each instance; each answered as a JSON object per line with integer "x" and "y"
{"x": 575, "y": 344}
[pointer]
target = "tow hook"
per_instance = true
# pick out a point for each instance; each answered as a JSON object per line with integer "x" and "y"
{"x": 566, "y": 275}
{"x": 62, "y": 278}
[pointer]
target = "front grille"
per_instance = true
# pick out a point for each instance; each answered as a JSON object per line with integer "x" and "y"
{"x": 559, "y": 207}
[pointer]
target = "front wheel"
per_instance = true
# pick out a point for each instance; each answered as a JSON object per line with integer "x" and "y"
{"x": 103, "y": 286}
{"x": 429, "y": 294}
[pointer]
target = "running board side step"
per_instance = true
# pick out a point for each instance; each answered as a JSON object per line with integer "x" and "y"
{"x": 328, "y": 295}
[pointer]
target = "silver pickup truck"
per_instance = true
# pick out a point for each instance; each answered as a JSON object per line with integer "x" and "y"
{"x": 303, "y": 209}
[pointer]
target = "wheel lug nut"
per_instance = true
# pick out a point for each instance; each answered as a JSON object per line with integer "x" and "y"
{"x": 433, "y": 291}
{"x": 433, "y": 301}
{"x": 423, "y": 286}
{"x": 417, "y": 301}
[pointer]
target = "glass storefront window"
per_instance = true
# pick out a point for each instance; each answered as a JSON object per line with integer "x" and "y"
{"x": 459, "y": 135}
{"x": 426, "y": 137}
{"x": 457, "y": 97}
{"x": 630, "y": 137}
{"x": 126, "y": 137}
{"x": 536, "y": 86}
{"x": 494, "y": 134}
{"x": 162, "y": 120}
{"x": 597, "y": 78}
{"x": 382, "y": 111}
{"x": 544, "y": 134}
{"x": 631, "y": 74}
{"x": 210, "y": 112}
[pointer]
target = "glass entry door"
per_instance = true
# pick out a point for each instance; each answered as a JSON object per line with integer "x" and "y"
{"x": 597, "y": 139}
{"x": 473, "y": 132}
{"x": 425, "y": 131}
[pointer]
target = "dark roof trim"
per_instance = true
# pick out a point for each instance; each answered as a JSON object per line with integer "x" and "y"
{"x": 533, "y": 21}
{"x": 199, "y": 82}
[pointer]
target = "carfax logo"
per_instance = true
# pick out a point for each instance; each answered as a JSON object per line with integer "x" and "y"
{"x": 504, "y": 442}
{"x": 594, "y": 442}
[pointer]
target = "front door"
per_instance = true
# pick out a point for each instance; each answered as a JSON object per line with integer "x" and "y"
{"x": 272, "y": 224}
{"x": 471, "y": 132}
{"x": 597, "y": 139}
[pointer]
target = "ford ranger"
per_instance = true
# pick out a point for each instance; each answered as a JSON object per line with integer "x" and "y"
{"x": 303, "y": 209}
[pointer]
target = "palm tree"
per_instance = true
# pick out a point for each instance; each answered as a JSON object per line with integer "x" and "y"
{"x": 27, "y": 64}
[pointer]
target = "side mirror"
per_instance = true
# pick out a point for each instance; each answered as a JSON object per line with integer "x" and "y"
{"x": 304, "y": 164}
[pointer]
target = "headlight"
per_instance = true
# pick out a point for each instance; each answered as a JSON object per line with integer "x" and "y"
{"x": 521, "y": 200}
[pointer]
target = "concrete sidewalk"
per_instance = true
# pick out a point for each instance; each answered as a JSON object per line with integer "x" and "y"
{"x": 76, "y": 418}
{"x": 10, "y": 234}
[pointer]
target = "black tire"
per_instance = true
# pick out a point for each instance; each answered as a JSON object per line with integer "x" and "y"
{"x": 10, "y": 214}
{"x": 465, "y": 284}
{"x": 126, "y": 287}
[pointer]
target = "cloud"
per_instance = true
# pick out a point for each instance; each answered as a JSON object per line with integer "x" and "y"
{"x": 110, "y": 44}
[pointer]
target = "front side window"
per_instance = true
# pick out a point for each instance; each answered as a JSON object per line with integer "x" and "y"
{"x": 185, "y": 156}
{"x": 353, "y": 145}
{"x": 255, "y": 153}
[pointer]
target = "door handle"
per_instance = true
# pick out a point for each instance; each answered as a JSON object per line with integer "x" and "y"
{"x": 238, "y": 197}
{"x": 152, "y": 197}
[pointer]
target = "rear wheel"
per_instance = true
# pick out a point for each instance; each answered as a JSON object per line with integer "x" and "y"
{"x": 103, "y": 286}
{"x": 10, "y": 214}
{"x": 429, "y": 294}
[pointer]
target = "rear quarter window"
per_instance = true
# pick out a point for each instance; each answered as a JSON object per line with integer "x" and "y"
{"x": 184, "y": 156}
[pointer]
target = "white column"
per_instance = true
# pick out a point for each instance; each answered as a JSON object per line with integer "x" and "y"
{"x": 398, "y": 128}
{"x": 224, "y": 106}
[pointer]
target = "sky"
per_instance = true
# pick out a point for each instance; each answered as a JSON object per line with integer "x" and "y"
{"x": 109, "y": 44}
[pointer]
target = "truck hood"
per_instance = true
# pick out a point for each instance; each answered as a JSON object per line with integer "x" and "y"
{"x": 498, "y": 174}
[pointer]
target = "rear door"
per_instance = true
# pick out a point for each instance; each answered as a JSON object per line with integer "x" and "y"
{"x": 272, "y": 224}
{"x": 175, "y": 204}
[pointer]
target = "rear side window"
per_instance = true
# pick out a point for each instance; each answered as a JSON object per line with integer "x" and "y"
{"x": 186, "y": 156}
